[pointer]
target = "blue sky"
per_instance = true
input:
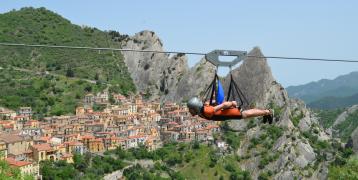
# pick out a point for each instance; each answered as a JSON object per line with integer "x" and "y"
{"x": 319, "y": 29}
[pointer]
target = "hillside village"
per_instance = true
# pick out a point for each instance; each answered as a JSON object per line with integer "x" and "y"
{"x": 128, "y": 123}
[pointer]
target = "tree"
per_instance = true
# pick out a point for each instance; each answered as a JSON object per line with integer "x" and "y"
{"x": 96, "y": 77}
{"x": 70, "y": 73}
{"x": 7, "y": 172}
{"x": 347, "y": 171}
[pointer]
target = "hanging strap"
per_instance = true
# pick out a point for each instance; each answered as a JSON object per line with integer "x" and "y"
{"x": 230, "y": 89}
{"x": 235, "y": 90}
{"x": 242, "y": 97}
{"x": 211, "y": 89}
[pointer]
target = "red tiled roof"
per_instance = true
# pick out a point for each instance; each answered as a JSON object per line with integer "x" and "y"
{"x": 15, "y": 163}
{"x": 87, "y": 137}
{"x": 44, "y": 138}
{"x": 137, "y": 136}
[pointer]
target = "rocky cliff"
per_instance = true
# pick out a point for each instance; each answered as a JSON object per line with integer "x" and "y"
{"x": 345, "y": 127}
{"x": 162, "y": 76}
{"x": 291, "y": 148}
{"x": 288, "y": 149}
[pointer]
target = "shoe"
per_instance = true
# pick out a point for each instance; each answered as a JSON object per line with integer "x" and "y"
{"x": 271, "y": 116}
{"x": 264, "y": 119}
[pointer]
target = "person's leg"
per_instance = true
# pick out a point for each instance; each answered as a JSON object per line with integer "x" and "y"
{"x": 255, "y": 113}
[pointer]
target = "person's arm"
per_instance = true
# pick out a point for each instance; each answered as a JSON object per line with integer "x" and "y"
{"x": 224, "y": 105}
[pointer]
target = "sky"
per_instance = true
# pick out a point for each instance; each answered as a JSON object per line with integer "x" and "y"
{"x": 306, "y": 28}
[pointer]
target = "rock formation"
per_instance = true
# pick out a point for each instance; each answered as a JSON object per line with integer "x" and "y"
{"x": 285, "y": 150}
{"x": 160, "y": 75}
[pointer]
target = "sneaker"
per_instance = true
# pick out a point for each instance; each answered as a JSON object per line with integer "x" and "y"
{"x": 271, "y": 116}
{"x": 264, "y": 119}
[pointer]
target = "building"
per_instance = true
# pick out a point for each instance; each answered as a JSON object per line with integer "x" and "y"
{"x": 3, "y": 150}
{"x": 89, "y": 100}
{"x": 16, "y": 146}
{"x": 25, "y": 167}
{"x": 6, "y": 114}
{"x": 75, "y": 147}
{"x": 25, "y": 111}
{"x": 96, "y": 145}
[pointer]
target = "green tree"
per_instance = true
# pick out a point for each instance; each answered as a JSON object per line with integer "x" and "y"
{"x": 7, "y": 172}
{"x": 347, "y": 171}
{"x": 70, "y": 72}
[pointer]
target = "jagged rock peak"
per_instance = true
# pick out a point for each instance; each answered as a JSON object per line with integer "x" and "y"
{"x": 255, "y": 79}
{"x": 149, "y": 39}
{"x": 155, "y": 75}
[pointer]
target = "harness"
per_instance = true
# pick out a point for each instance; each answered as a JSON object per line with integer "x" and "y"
{"x": 234, "y": 93}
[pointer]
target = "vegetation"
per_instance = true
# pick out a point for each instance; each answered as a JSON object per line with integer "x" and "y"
{"x": 84, "y": 167}
{"x": 334, "y": 102}
{"x": 327, "y": 117}
{"x": 277, "y": 109}
{"x": 346, "y": 171}
{"x": 11, "y": 173}
{"x": 342, "y": 86}
{"x": 173, "y": 161}
{"x": 296, "y": 118}
{"x": 230, "y": 136}
{"x": 46, "y": 94}
{"x": 138, "y": 172}
{"x": 346, "y": 128}
{"x": 71, "y": 68}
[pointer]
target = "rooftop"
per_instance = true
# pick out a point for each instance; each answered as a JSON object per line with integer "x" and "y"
{"x": 15, "y": 163}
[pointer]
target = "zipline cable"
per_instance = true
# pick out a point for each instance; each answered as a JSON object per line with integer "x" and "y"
{"x": 174, "y": 52}
{"x": 99, "y": 48}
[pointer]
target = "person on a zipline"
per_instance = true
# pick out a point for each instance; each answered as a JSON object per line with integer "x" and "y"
{"x": 226, "y": 110}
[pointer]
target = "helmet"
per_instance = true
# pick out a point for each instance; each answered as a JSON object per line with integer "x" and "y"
{"x": 195, "y": 104}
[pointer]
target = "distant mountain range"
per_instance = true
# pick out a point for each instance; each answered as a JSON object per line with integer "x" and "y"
{"x": 327, "y": 94}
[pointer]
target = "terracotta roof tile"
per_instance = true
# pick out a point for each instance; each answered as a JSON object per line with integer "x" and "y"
{"x": 15, "y": 163}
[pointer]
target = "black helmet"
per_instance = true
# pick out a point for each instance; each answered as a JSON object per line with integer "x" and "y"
{"x": 195, "y": 104}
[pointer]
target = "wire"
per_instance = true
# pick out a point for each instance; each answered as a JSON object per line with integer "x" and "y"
{"x": 306, "y": 59}
{"x": 176, "y": 52}
{"x": 99, "y": 48}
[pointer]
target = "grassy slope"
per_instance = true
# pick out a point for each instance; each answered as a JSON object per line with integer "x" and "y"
{"x": 46, "y": 94}
{"x": 198, "y": 168}
{"x": 346, "y": 128}
{"x": 342, "y": 130}
{"x": 327, "y": 117}
{"x": 40, "y": 26}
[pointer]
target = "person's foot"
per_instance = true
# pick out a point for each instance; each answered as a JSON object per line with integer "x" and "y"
{"x": 264, "y": 119}
{"x": 271, "y": 115}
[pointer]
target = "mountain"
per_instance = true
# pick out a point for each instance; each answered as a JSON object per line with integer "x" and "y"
{"x": 341, "y": 123}
{"x": 162, "y": 76}
{"x": 334, "y": 102}
{"x": 342, "y": 86}
{"x": 54, "y": 81}
{"x": 295, "y": 146}
{"x": 288, "y": 148}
